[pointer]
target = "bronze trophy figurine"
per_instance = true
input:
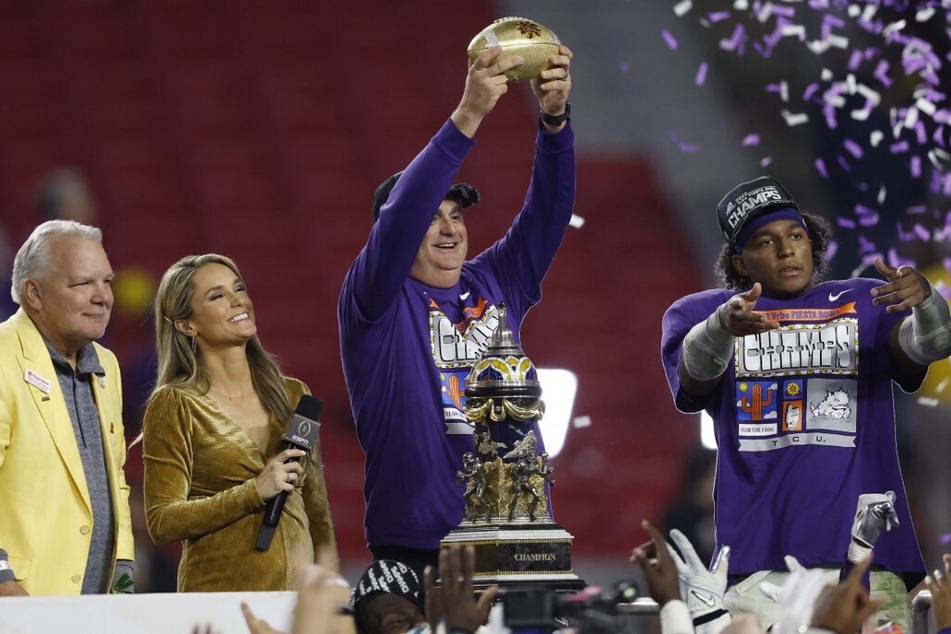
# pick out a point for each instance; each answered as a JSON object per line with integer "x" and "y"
{"x": 507, "y": 517}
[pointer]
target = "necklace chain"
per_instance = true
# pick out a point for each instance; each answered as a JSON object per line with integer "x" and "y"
{"x": 230, "y": 398}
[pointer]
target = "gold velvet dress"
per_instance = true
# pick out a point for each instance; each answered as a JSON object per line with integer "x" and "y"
{"x": 200, "y": 468}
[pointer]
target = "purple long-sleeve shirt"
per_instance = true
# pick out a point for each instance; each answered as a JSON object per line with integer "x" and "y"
{"x": 407, "y": 348}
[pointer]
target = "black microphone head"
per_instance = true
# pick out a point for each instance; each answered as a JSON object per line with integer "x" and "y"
{"x": 304, "y": 426}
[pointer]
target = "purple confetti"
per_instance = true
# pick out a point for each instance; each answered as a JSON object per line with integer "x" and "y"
{"x": 854, "y": 92}
{"x": 899, "y": 148}
{"x": 896, "y": 260}
{"x": 670, "y": 39}
{"x": 867, "y": 247}
{"x": 831, "y": 249}
{"x": 853, "y": 148}
{"x": 624, "y": 67}
{"x": 736, "y": 41}
{"x": 905, "y": 236}
{"x": 867, "y": 217}
{"x": 881, "y": 74}
{"x": 830, "y": 22}
{"x": 686, "y": 148}
{"x": 938, "y": 136}
{"x": 946, "y": 538}
{"x": 701, "y": 74}
{"x": 855, "y": 60}
{"x": 787, "y": 12}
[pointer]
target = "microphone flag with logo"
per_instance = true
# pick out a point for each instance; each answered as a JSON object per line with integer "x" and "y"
{"x": 301, "y": 433}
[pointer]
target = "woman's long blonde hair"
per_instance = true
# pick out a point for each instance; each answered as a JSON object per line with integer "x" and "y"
{"x": 179, "y": 365}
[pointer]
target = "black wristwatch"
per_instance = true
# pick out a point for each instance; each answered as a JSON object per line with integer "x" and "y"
{"x": 552, "y": 120}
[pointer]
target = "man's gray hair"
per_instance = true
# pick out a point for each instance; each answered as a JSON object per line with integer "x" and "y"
{"x": 33, "y": 258}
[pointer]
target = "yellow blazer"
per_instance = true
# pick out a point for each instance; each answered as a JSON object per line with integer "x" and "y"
{"x": 45, "y": 512}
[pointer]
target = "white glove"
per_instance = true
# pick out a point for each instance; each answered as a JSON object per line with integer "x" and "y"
{"x": 796, "y": 596}
{"x": 702, "y": 589}
{"x": 874, "y": 513}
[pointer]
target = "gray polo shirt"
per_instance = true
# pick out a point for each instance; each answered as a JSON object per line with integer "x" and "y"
{"x": 81, "y": 403}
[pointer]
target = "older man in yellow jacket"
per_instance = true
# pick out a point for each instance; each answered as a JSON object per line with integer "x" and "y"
{"x": 65, "y": 524}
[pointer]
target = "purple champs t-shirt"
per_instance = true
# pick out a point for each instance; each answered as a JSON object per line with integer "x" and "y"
{"x": 805, "y": 423}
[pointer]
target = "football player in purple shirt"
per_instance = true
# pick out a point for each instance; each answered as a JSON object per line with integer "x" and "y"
{"x": 797, "y": 376}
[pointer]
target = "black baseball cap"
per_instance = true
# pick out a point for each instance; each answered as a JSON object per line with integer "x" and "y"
{"x": 463, "y": 193}
{"x": 749, "y": 200}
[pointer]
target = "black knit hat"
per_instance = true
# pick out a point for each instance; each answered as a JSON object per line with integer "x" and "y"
{"x": 463, "y": 193}
{"x": 385, "y": 576}
{"x": 749, "y": 200}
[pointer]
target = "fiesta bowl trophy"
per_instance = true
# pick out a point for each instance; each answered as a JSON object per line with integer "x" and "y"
{"x": 507, "y": 518}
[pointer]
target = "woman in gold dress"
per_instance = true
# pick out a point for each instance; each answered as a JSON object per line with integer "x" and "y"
{"x": 212, "y": 440}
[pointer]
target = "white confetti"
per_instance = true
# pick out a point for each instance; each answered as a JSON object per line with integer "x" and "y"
{"x": 793, "y": 119}
{"x": 911, "y": 118}
{"x": 926, "y": 107}
{"x": 891, "y": 28}
{"x": 838, "y": 41}
{"x": 682, "y": 8}
{"x": 576, "y": 221}
{"x": 582, "y": 421}
{"x": 872, "y": 95}
{"x": 794, "y": 30}
{"x": 924, "y": 15}
{"x": 818, "y": 46}
{"x": 876, "y": 137}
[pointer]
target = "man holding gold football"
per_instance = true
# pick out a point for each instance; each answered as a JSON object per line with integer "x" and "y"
{"x": 414, "y": 314}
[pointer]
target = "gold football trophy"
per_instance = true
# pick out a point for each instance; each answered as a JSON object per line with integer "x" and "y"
{"x": 507, "y": 516}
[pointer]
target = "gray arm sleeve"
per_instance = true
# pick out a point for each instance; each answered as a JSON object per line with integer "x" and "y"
{"x": 926, "y": 335}
{"x": 707, "y": 349}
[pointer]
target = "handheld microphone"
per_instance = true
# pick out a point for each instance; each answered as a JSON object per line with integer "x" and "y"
{"x": 301, "y": 433}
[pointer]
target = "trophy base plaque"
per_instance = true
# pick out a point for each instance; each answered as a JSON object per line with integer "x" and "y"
{"x": 518, "y": 553}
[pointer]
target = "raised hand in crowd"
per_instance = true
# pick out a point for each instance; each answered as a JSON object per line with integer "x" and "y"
{"x": 702, "y": 589}
{"x": 939, "y": 583}
{"x": 322, "y": 601}
{"x": 454, "y": 601}
{"x": 658, "y": 567}
{"x": 843, "y": 608}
